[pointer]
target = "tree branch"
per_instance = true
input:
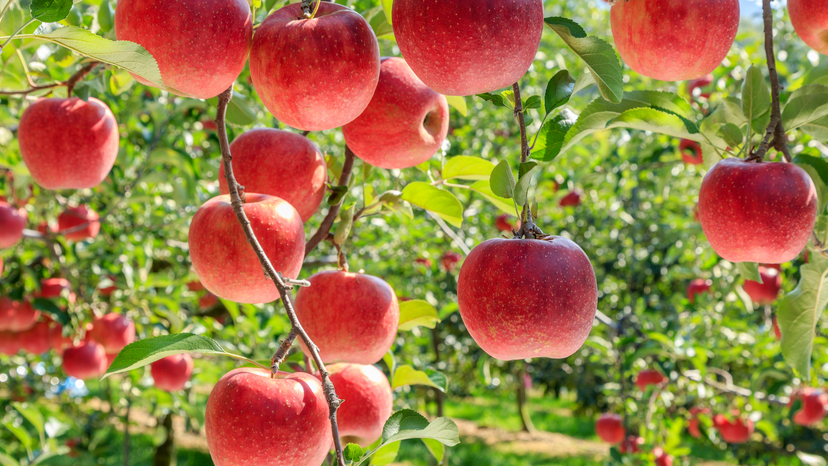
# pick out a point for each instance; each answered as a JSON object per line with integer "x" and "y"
{"x": 333, "y": 211}
{"x": 734, "y": 389}
{"x": 283, "y": 287}
{"x": 527, "y": 229}
{"x": 69, "y": 83}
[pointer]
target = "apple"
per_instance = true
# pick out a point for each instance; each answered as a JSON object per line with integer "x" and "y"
{"x": 85, "y": 361}
{"x": 17, "y": 316}
{"x": 369, "y": 402}
{"x": 610, "y": 427}
{"x": 74, "y": 217}
{"x": 279, "y": 163}
{"x": 503, "y": 224}
{"x": 315, "y": 74}
{"x": 527, "y": 298}
{"x": 57, "y": 341}
{"x": 672, "y": 40}
{"x": 113, "y": 331}
{"x": 470, "y": 47}
{"x": 45, "y": 228}
{"x": 699, "y": 83}
{"x": 207, "y": 301}
{"x": 53, "y": 288}
{"x": 649, "y": 377}
{"x": 757, "y": 211}
{"x": 1, "y": 266}
{"x": 736, "y": 431}
{"x": 661, "y": 457}
{"x": 691, "y": 152}
{"x": 173, "y": 372}
{"x": 697, "y": 286}
{"x": 352, "y": 317}
{"x": 252, "y": 418}
{"x": 201, "y": 47}
{"x": 813, "y": 407}
{"x": 9, "y": 343}
{"x": 108, "y": 290}
{"x": 12, "y": 223}
{"x": 425, "y": 262}
{"x": 36, "y": 339}
{"x": 776, "y": 331}
{"x": 405, "y": 123}
{"x": 693, "y": 423}
{"x": 572, "y": 199}
{"x": 767, "y": 291}
{"x": 632, "y": 444}
{"x": 810, "y": 21}
{"x": 224, "y": 261}
{"x": 195, "y": 285}
{"x": 450, "y": 259}
{"x": 68, "y": 143}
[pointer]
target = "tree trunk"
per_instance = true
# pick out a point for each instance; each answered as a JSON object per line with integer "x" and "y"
{"x": 438, "y": 395}
{"x": 165, "y": 453}
{"x": 523, "y": 408}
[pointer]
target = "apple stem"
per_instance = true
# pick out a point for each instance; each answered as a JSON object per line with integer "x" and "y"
{"x": 333, "y": 212}
{"x": 283, "y": 287}
{"x": 69, "y": 83}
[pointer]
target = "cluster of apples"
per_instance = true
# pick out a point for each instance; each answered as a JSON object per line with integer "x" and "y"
{"x": 610, "y": 428}
{"x": 22, "y": 327}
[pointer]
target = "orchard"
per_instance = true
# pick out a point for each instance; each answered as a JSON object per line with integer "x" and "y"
{"x": 413, "y": 232}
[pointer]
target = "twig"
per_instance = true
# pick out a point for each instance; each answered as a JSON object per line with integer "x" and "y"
{"x": 69, "y": 83}
{"x": 454, "y": 236}
{"x": 695, "y": 376}
{"x": 333, "y": 211}
{"x": 527, "y": 229}
{"x": 283, "y": 288}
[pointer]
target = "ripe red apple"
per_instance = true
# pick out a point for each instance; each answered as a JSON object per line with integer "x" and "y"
{"x": 75, "y": 217}
{"x": 470, "y": 47}
{"x": 757, "y": 211}
{"x": 450, "y": 259}
{"x": 279, "y": 163}
{"x": 85, "y": 361}
{"x": 425, "y": 262}
{"x": 661, "y": 457}
{"x": 287, "y": 58}
{"x": 12, "y": 223}
{"x": 36, "y": 339}
{"x": 369, "y": 402}
{"x": 53, "y": 288}
{"x": 17, "y": 316}
{"x": 503, "y": 224}
{"x": 810, "y": 21}
{"x": 201, "y": 47}
{"x": 767, "y": 291}
{"x": 776, "y": 331}
{"x": 108, "y": 290}
{"x": 699, "y": 83}
{"x": 673, "y": 40}
{"x": 113, "y": 331}
{"x": 225, "y": 262}
{"x": 610, "y": 427}
{"x": 46, "y": 228}
{"x": 173, "y": 372}
{"x": 57, "y": 341}
{"x": 697, "y": 286}
{"x": 632, "y": 444}
{"x": 248, "y": 409}
{"x": 649, "y": 377}
{"x": 572, "y": 199}
{"x": 525, "y": 298}
{"x": 68, "y": 143}
{"x": 814, "y": 406}
{"x": 691, "y": 152}
{"x": 195, "y": 285}
{"x": 405, "y": 123}
{"x": 207, "y": 301}
{"x": 736, "y": 431}
{"x": 352, "y": 317}
{"x": 693, "y": 423}
{"x": 9, "y": 343}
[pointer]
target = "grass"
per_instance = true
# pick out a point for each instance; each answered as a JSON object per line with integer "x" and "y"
{"x": 414, "y": 453}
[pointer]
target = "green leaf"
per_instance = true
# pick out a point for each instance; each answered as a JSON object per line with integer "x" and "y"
{"x": 817, "y": 169}
{"x": 390, "y": 362}
{"x": 402, "y": 420}
{"x": 522, "y": 186}
{"x": 558, "y": 91}
{"x": 657, "y": 121}
{"x": 551, "y": 136}
{"x": 50, "y": 11}
{"x": 806, "y": 105}
{"x": 482, "y": 187}
{"x": 105, "y": 16}
{"x": 817, "y": 129}
{"x": 144, "y": 352}
{"x": 49, "y": 307}
{"x": 584, "y": 80}
{"x": 598, "y": 55}
{"x": 32, "y": 415}
{"x": 466, "y": 167}
{"x": 352, "y": 452}
{"x": 120, "y": 82}
{"x": 533, "y": 101}
{"x": 6, "y": 460}
{"x": 240, "y": 111}
{"x": 442, "y": 429}
{"x": 386, "y": 7}
{"x": 749, "y": 271}
{"x": 502, "y": 181}
{"x": 497, "y": 99}
{"x": 337, "y": 193}
{"x": 407, "y": 375}
{"x": 459, "y": 104}
{"x": 417, "y": 313}
{"x": 438, "y": 201}
{"x": 756, "y": 101}
{"x": 436, "y": 449}
{"x": 385, "y": 454}
{"x": 526, "y": 167}
{"x": 343, "y": 228}
{"x": 732, "y": 135}
{"x": 21, "y": 434}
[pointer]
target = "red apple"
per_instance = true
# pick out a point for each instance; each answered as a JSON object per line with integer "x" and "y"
{"x": 252, "y": 418}
{"x": 661, "y": 457}
{"x": 68, "y": 143}
{"x": 201, "y": 47}
{"x": 207, "y": 301}
{"x": 776, "y": 331}
{"x": 525, "y": 298}
{"x": 649, "y": 377}
{"x": 9, "y": 343}
{"x": 279, "y": 163}
{"x": 369, "y": 402}
{"x": 699, "y": 83}
{"x": 173, "y": 372}
{"x": 424, "y": 262}
{"x": 698, "y": 286}
{"x": 736, "y": 431}
{"x": 85, "y": 361}
{"x": 225, "y": 262}
{"x": 315, "y": 74}
{"x": 75, "y": 217}
{"x": 693, "y": 423}
{"x": 17, "y": 316}
{"x": 12, "y": 223}
{"x": 632, "y": 444}
{"x": 450, "y": 259}
{"x": 610, "y": 427}
{"x": 470, "y": 47}
{"x": 767, "y": 291}
{"x": 195, "y": 285}
{"x": 810, "y": 21}
{"x": 352, "y": 317}
{"x": 57, "y": 341}
{"x": 757, "y": 211}
{"x": 45, "y": 228}
{"x": 108, "y": 290}
{"x": 673, "y": 40}
{"x": 691, "y": 152}
{"x": 36, "y": 339}
{"x": 405, "y": 123}
{"x": 813, "y": 407}
{"x": 53, "y": 288}
{"x": 503, "y": 224}
{"x": 113, "y": 331}
{"x": 572, "y": 199}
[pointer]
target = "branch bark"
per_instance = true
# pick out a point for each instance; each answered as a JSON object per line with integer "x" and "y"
{"x": 282, "y": 286}
{"x": 69, "y": 83}
{"x": 325, "y": 227}
{"x": 528, "y": 228}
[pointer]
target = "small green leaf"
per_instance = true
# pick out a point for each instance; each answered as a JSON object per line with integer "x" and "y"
{"x": 6, "y": 460}
{"x": 522, "y": 186}
{"x": 343, "y": 228}
{"x": 120, "y": 82}
{"x": 502, "y": 181}
{"x": 749, "y": 271}
{"x": 806, "y": 105}
{"x": 459, "y": 104}
{"x": 407, "y": 375}
{"x": 551, "y": 136}
{"x": 731, "y": 134}
{"x": 574, "y": 28}
{"x": 144, "y": 352}
{"x": 240, "y": 111}
{"x": 436, "y": 449}
{"x": 496, "y": 99}
{"x": 438, "y": 201}
{"x": 32, "y": 415}
{"x": 442, "y": 429}
{"x": 337, "y": 193}
{"x": 558, "y": 91}
{"x": 20, "y": 433}
{"x": 533, "y": 101}
{"x": 390, "y": 362}
{"x": 385, "y": 454}
{"x": 466, "y": 167}
{"x": 105, "y": 16}
{"x": 402, "y": 420}
{"x": 482, "y": 187}
{"x": 756, "y": 101}
{"x": 526, "y": 167}
{"x": 352, "y": 452}
{"x": 48, "y": 306}
{"x": 417, "y": 313}
{"x": 50, "y": 11}
{"x": 386, "y": 7}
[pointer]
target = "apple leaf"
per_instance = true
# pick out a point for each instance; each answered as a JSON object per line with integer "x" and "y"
{"x": 436, "y": 449}
{"x": 55, "y": 312}
{"x": 386, "y": 7}
{"x": 466, "y": 167}
{"x": 806, "y": 105}
{"x": 533, "y": 101}
{"x": 417, "y": 313}
{"x": 390, "y": 362}
{"x": 459, "y": 104}
{"x": 441, "y": 429}
{"x": 386, "y": 454}
{"x": 498, "y": 99}
{"x": 502, "y": 181}
{"x": 144, "y": 352}
{"x": 749, "y": 271}
{"x": 483, "y": 188}
{"x": 731, "y": 134}
{"x": 50, "y": 11}
{"x": 438, "y": 201}
{"x": 32, "y": 415}
{"x": 817, "y": 129}
{"x": 817, "y": 169}
{"x": 407, "y": 375}
{"x": 106, "y": 16}
{"x": 6, "y": 460}
{"x": 522, "y": 186}
{"x": 558, "y": 91}
{"x": 657, "y": 121}
{"x": 352, "y": 452}
{"x": 551, "y": 136}
{"x": 756, "y": 102}
{"x": 346, "y": 221}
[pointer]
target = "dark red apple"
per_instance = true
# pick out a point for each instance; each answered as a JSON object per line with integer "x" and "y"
{"x": 279, "y": 163}
{"x": 201, "y": 47}
{"x": 649, "y": 377}
{"x": 673, "y": 40}
{"x": 450, "y": 259}
{"x": 68, "y": 143}
{"x": 315, "y": 74}
{"x": 814, "y": 406}
{"x": 53, "y": 288}
{"x": 572, "y": 199}
{"x": 503, "y": 224}
{"x": 525, "y": 298}
{"x": 76, "y": 217}
{"x": 17, "y": 316}
{"x": 225, "y": 262}
{"x": 691, "y": 152}
{"x": 736, "y": 431}
{"x": 352, "y": 317}
{"x": 425, "y": 262}
{"x": 12, "y": 223}
{"x": 85, "y": 361}
{"x": 767, "y": 291}
{"x": 757, "y": 211}
{"x": 207, "y": 301}
{"x": 405, "y": 123}
{"x": 248, "y": 409}
{"x": 810, "y": 21}
{"x": 36, "y": 339}
{"x": 195, "y": 285}
{"x": 173, "y": 372}
{"x": 632, "y": 444}
{"x": 9, "y": 343}
{"x": 697, "y": 286}
{"x": 469, "y": 47}
{"x": 610, "y": 427}
{"x": 113, "y": 331}
{"x": 661, "y": 457}
{"x": 369, "y": 404}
